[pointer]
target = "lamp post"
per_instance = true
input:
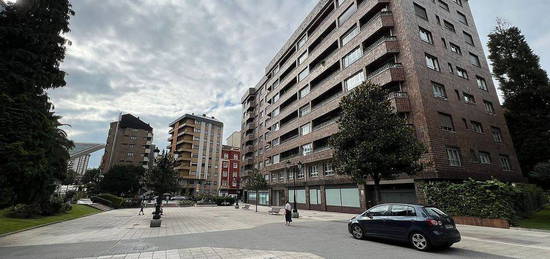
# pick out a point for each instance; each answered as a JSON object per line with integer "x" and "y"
{"x": 295, "y": 213}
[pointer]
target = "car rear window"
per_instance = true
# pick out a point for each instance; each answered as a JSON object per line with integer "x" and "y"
{"x": 435, "y": 212}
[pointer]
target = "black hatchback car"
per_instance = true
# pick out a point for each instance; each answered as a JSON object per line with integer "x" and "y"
{"x": 423, "y": 227}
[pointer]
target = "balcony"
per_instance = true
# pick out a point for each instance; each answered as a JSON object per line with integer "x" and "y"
{"x": 249, "y": 149}
{"x": 248, "y": 161}
{"x": 249, "y": 116}
{"x": 386, "y": 74}
{"x": 250, "y": 126}
{"x": 249, "y": 137}
{"x": 400, "y": 102}
{"x": 250, "y": 105}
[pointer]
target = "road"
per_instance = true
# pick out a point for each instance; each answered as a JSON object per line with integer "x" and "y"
{"x": 223, "y": 232}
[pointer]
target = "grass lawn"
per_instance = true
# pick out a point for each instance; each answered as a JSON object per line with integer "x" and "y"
{"x": 540, "y": 220}
{"x": 10, "y": 224}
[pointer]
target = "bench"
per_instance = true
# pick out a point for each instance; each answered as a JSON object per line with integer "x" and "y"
{"x": 246, "y": 207}
{"x": 275, "y": 211}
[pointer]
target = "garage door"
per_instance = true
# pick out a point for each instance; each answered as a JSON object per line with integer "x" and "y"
{"x": 399, "y": 196}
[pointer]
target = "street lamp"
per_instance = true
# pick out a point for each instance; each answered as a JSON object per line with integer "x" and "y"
{"x": 287, "y": 168}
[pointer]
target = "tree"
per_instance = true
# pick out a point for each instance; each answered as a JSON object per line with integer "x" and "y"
{"x": 373, "y": 141}
{"x": 34, "y": 150}
{"x": 162, "y": 178}
{"x": 123, "y": 180}
{"x": 255, "y": 182}
{"x": 70, "y": 177}
{"x": 91, "y": 176}
{"x": 541, "y": 175}
{"x": 526, "y": 90}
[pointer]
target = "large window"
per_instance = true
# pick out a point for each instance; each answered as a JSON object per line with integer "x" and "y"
{"x": 353, "y": 56}
{"x": 474, "y": 60}
{"x": 307, "y": 149}
{"x": 304, "y": 91}
{"x": 420, "y": 11}
{"x": 347, "y": 14}
{"x": 456, "y": 49}
{"x": 461, "y": 73}
{"x": 439, "y": 90}
{"x": 432, "y": 62}
{"x": 468, "y": 98}
{"x": 275, "y": 112}
{"x": 302, "y": 58}
{"x": 313, "y": 170}
{"x": 497, "y": 134}
{"x": 305, "y": 129}
{"x": 327, "y": 168}
{"x": 468, "y": 38}
{"x": 453, "y": 154}
{"x": 446, "y": 122}
{"x": 484, "y": 157}
{"x": 314, "y": 196}
{"x": 489, "y": 107}
{"x": 462, "y": 18}
{"x": 426, "y": 36}
{"x": 276, "y": 159}
{"x": 300, "y": 195}
{"x": 482, "y": 84}
{"x": 302, "y": 41}
{"x": 505, "y": 163}
{"x": 349, "y": 35}
{"x": 477, "y": 127}
{"x": 345, "y": 197}
{"x": 303, "y": 74}
{"x": 443, "y": 5}
{"x": 354, "y": 80}
{"x": 304, "y": 110}
{"x": 449, "y": 26}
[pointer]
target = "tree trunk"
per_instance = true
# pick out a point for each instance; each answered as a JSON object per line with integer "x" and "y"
{"x": 377, "y": 194}
{"x": 257, "y": 201}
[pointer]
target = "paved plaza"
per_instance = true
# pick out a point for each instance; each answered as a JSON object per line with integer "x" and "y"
{"x": 224, "y": 232}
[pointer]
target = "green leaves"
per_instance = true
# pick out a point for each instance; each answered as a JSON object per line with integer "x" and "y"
{"x": 123, "y": 179}
{"x": 255, "y": 181}
{"x": 162, "y": 178}
{"x": 373, "y": 141}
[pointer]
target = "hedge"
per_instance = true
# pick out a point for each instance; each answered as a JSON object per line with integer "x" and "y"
{"x": 99, "y": 200}
{"x": 115, "y": 200}
{"x": 485, "y": 199}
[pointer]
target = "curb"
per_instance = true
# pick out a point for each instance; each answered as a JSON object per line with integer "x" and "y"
{"x": 531, "y": 229}
{"x": 46, "y": 224}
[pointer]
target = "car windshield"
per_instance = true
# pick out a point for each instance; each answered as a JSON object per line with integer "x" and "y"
{"x": 435, "y": 212}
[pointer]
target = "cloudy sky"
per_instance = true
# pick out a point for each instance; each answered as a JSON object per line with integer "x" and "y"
{"x": 164, "y": 58}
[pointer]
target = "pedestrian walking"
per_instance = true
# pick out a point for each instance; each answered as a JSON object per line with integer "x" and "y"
{"x": 288, "y": 213}
{"x": 142, "y": 205}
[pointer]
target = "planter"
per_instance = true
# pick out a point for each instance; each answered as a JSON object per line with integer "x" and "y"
{"x": 474, "y": 221}
{"x": 155, "y": 223}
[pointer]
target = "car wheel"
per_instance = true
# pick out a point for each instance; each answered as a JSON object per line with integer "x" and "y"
{"x": 420, "y": 242}
{"x": 357, "y": 231}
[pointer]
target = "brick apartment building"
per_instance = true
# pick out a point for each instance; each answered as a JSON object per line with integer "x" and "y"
{"x": 128, "y": 143}
{"x": 197, "y": 141}
{"x": 427, "y": 52}
{"x": 229, "y": 182}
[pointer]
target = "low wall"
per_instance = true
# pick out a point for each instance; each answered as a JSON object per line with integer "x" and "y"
{"x": 473, "y": 221}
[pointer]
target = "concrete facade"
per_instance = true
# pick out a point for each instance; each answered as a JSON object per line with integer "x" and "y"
{"x": 234, "y": 140}
{"x": 197, "y": 141}
{"x": 128, "y": 143}
{"x": 293, "y": 110}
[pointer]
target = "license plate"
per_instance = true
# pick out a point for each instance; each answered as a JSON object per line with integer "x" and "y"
{"x": 449, "y": 226}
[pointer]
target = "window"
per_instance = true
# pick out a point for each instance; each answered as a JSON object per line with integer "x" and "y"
{"x": 303, "y": 74}
{"x": 446, "y": 122}
{"x": 224, "y": 165}
{"x": 477, "y": 127}
{"x": 353, "y": 56}
{"x": 443, "y": 5}
{"x": 378, "y": 210}
{"x": 302, "y": 58}
{"x": 235, "y": 157}
{"x": 497, "y": 135}
{"x": 304, "y": 91}
{"x": 300, "y": 175}
{"x": 468, "y": 38}
{"x": 484, "y": 157}
{"x": 305, "y": 129}
{"x": 462, "y": 18}
{"x": 274, "y": 85}
{"x": 276, "y": 126}
{"x": 313, "y": 171}
{"x": 275, "y": 142}
{"x": 462, "y": 72}
{"x": 350, "y": 34}
{"x": 302, "y": 41}
{"x": 474, "y": 60}
{"x": 225, "y": 155}
{"x": 307, "y": 149}
{"x": 276, "y": 97}
{"x": 327, "y": 168}
{"x": 402, "y": 211}
{"x": 276, "y": 159}
{"x": 133, "y": 137}
{"x": 130, "y": 154}
{"x": 505, "y": 163}
{"x": 354, "y": 80}
{"x": 275, "y": 112}
{"x": 453, "y": 154}
{"x": 449, "y": 26}
{"x": 131, "y": 146}
{"x": 426, "y": 36}
{"x": 347, "y": 14}
{"x": 468, "y": 98}
{"x": 489, "y": 107}
{"x": 235, "y": 165}
{"x": 305, "y": 110}
{"x": 432, "y": 62}
{"x": 458, "y": 2}
{"x": 451, "y": 70}
{"x": 340, "y": 2}
{"x": 420, "y": 11}
{"x": 439, "y": 90}
{"x": 456, "y": 49}
{"x": 482, "y": 84}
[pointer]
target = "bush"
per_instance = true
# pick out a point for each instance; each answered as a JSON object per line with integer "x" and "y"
{"x": 55, "y": 205}
{"x": 96, "y": 199}
{"x": 485, "y": 199}
{"x": 115, "y": 200}
{"x": 131, "y": 203}
{"x": 24, "y": 211}
{"x": 186, "y": 203}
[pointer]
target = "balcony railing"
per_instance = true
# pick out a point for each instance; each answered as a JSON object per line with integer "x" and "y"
{"x": 378, "y": 42}
{"x": 382, "y": 69}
